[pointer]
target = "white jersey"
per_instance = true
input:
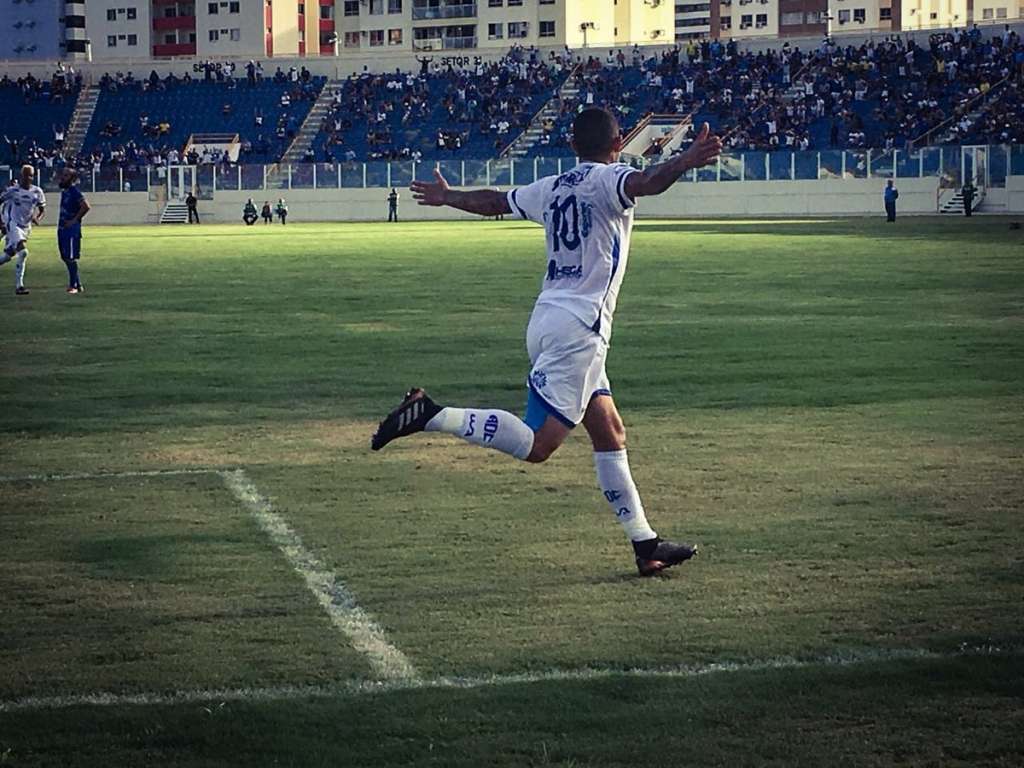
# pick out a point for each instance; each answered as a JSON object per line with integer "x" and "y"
{"x": 19, "y": 204}
{"x": 588, "y": 220}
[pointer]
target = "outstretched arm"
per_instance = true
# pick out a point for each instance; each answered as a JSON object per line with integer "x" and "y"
{"x": 484, "y": 202}
{"x": 658, "y": 178}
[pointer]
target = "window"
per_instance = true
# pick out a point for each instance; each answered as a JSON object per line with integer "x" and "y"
{"x": 111, "y": 41}
{"x": 326, "y": 11}
{"x": 236, "y": 35}
{"x": 494, "y": 31}
{"x": 514, "y": 2}
{"x": 762, "y": 20}
{"x": 214, "y": 35}
{"x": 551, "y": 2}
{"x": 133, "y": 39}
{"x": 726, "y": 22}
{"x": 693, "y": 7}
{"x": 301, "y": 9}
{"x": 394, "y": 6}
{"x": 746, "y": 20}
{"x": 495, "y": 3}
{"x": 988, "y": 13}
{"x": 844, "y": 16}
{"x": 933, "y": 15}
{"x": 547, "y": 29}
{"x": 352, "y": 38}
{"x": 518, "y": 28}
{"x": 170, "y": 12}
{"x": 377, "y": 8}
{"x": 235, "y": 7}
{"x": 885, "y": 14}
{"x": 376, "y": 37}
{"x": 130, "y": 14}
{"x": 111, "y": 14}
{"x": 192, "y": 38}
{"x": 394, "y": 37}
{"x": 1000, "y": 13}
{"x": 212, "y": 9}
{"x": 794, "y": 17}
{"x": 352, "y": 8}
{"x": 859, "y": 15}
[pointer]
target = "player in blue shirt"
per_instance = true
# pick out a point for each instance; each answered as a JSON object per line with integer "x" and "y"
{"x": 73, "y": 206}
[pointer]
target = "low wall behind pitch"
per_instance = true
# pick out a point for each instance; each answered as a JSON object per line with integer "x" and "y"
{"x": 852, "y": 197}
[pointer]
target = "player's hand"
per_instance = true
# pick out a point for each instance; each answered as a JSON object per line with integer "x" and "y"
{"x": 427, "y": 193}
{"x": 705, "y": 149}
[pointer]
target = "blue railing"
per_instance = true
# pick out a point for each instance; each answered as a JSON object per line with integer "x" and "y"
{"x": 992, "y": 163}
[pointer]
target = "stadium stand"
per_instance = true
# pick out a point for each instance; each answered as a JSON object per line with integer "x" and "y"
{"x": 35, "y": 114}
{"x": 437, "y": 113}
{"x": 155, "y": 116}
{"x": 894, "y": 93}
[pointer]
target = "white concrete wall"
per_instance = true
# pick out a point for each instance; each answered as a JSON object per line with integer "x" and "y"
{"x": 859, "y": 197}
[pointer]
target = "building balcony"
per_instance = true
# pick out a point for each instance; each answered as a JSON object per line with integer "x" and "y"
{"x": 459, "y": 11}
{"x": 161, "y": 23}
{"x": 444, "y": 43}
{"x": 174, "y": 49}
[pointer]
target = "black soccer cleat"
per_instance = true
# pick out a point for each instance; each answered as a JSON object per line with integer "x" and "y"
{"x": 22, "y": 291}
{"x": 408, "y": 418}
{"x": 655, "y": 555}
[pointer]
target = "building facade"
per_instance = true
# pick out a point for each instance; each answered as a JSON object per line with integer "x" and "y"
{"x": 133, "y": 30}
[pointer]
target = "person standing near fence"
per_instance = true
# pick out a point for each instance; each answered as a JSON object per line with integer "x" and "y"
{"x": 889, "y": 196}
{"x": 968, "y": 191}
{"x": 281, "y": 209}
{"x": 191, "y": 203}
{"x": 73, "y": 207}
{"x": 393, "y": 205}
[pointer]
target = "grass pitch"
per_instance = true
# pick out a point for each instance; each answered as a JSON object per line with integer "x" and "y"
{"x": 832, "y": 409}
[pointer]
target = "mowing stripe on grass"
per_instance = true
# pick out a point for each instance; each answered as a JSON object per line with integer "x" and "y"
{"x": 365, "y": 687}
{"x": 387, "y": 662}
{"x": 366, "y": 636}
{"x": 105, "y": 475}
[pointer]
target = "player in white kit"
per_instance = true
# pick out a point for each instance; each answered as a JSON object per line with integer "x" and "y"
{"x": 587, "y": 214}
{"x": 23, "y": 205}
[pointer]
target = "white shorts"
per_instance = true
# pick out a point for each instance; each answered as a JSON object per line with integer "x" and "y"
{"x": 16, "y": 234}
{"x": 567, "y": 360}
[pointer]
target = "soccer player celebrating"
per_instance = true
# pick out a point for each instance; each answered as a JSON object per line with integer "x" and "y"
{"x": 587, "y": 214}
{"x": 25, "y": 205}
{"x": 73, "y": 207}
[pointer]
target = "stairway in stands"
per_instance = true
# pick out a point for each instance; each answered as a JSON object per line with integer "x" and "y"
{"x": 81, "y": 119}
{"x": 311, "y": 125}
{"x": 524, "y": 142}
{"x": 175, "y": 212}
{"x": 955, "y": 204}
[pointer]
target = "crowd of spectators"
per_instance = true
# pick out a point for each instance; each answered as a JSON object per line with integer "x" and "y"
{"x": 440, "y": 109}
{"x": 887, "y": 93}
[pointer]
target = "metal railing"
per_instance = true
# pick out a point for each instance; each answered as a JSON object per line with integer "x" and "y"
{"x": 991, "y": 164}
{"x": 460, "y": 11}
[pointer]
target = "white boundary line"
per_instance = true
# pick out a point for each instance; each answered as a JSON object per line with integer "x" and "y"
{"x": 366, "y": 636}
{"x": 386, "y": 661}
{"x": 361, "y": 688}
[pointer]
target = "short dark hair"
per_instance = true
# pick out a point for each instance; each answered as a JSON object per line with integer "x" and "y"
{"x": 594, "y": 131}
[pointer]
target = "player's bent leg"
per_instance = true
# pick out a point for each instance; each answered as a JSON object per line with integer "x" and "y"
{"x": 486, "y": 427}
{"x": 608, "y": 435}
{"x": 547, "y": 439}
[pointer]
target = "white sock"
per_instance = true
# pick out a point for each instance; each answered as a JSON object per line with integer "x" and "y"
{"x": 19, "y": 269}
{"x": 616, "y": 481}
{"x": 486, "y": 427}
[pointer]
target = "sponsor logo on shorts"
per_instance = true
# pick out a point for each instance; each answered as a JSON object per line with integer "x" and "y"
{"x": 539, "y": 379}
